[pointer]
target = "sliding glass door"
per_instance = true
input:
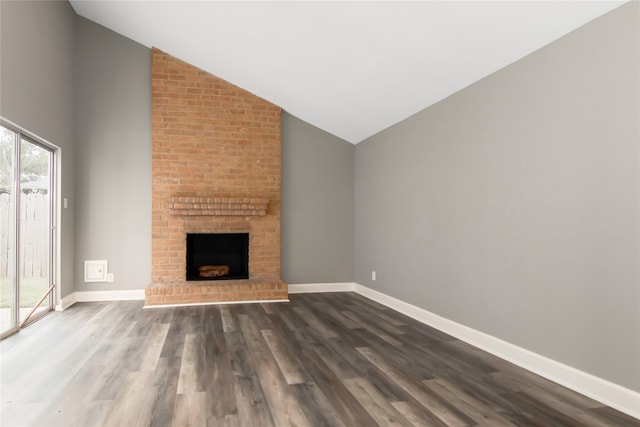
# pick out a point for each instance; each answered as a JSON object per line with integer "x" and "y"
{"x": 26, "y": 229}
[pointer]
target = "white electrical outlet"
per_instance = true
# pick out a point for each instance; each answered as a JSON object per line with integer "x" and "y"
{"x": 110, "y": 277}
{"x": 373, "y": 276}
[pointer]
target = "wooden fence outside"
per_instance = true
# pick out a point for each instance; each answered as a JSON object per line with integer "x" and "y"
{"x": 34, "y": 235}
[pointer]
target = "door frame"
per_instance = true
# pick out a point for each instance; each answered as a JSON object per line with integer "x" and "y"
{"x": 54, "y": 224}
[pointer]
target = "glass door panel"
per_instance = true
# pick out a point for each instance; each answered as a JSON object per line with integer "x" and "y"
{"x": 26, "y": 232}
{"x": 35, "y": 227}
{"x": 8, "y": 277}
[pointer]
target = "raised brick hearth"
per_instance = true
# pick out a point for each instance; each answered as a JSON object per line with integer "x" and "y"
{"x": 220, "y": 290}
{"x": 216, "y": 169}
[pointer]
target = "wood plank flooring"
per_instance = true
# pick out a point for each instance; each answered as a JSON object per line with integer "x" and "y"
{"x": 321, "y": 360}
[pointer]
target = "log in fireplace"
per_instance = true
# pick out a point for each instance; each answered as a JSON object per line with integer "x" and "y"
{"x": 217, "y": 256}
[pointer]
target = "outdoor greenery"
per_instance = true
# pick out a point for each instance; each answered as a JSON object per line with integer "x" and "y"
{"x": 6, "y": 158}
{"x": 31, "y": 290}
{"x": 34, "y": 160}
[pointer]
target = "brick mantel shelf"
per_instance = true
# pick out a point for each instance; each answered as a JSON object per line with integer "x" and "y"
{"x": 218, "y": 206}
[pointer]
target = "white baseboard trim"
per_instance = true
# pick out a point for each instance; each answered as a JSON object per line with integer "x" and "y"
{"x": 193, "y": 304}
{"x": 306, "y": 288}
{"x": 606, "y": 392}
{"x": 93, "y": 296}
{"x": 66, "y": 302}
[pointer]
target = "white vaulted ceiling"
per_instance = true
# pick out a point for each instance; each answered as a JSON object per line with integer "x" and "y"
{"x": 350, "y": 68}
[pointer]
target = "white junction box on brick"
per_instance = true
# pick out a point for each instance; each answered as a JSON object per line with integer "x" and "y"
{"x": 95, "y": 271}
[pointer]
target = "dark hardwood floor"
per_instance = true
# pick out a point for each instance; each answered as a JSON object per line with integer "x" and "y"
{"x": 323, "y": 359}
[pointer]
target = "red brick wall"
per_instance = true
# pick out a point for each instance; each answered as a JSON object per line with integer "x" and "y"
{"x": 212, "y": 139}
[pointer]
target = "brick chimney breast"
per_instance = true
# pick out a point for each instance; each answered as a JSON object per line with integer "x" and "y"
{"x": 216, "y": 168}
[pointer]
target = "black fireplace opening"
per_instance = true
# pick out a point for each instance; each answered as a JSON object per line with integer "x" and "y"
{"x": 217, "y": 256}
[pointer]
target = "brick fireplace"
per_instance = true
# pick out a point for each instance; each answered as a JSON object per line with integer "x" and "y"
{"x": 216, "y": 169}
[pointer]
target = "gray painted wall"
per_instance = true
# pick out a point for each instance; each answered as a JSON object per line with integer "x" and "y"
{"x": 113, "y": 134}
{"x": 36, "y": 93}
{"x": 317, "y": 204}
{"x": 512, "y": 206}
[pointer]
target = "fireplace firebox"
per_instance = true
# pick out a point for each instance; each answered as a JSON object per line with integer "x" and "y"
{"x": 217, "y": 256}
